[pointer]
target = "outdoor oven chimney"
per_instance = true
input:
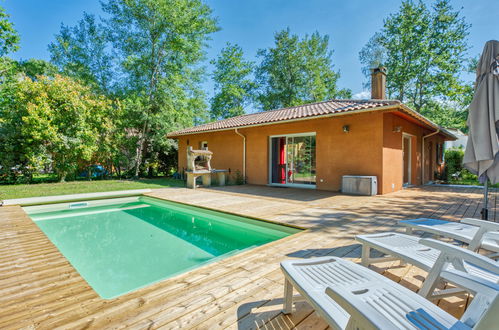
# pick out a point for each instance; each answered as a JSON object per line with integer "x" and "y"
{"x": 378, "y": 83}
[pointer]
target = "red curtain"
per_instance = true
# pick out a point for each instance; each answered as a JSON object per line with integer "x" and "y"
{"x": 282, "y": 160}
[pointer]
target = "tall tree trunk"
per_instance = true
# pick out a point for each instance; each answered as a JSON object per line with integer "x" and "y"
{"x": 140, "y": 150}
{"x": 152, "y": 90}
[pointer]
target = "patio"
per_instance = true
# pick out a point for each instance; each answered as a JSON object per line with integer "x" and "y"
{"x": 39, "y": 288}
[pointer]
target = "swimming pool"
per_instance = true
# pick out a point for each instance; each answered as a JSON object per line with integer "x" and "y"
{"x": 119, "y": 245}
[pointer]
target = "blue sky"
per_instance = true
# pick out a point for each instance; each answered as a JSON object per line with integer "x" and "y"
{"x": 252, "y": 24}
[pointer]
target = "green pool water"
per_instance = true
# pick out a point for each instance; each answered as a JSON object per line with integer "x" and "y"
{"x": 123, "y": 244}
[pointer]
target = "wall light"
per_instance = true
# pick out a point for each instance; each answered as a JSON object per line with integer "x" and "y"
{"x": 346, "y": 128}
{"x": 397, "y": 129}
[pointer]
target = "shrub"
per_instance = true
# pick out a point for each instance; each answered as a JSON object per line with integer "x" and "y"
{"x": 453, "y": 162}
{"x": 454, "y": 166}
{"x": 53, "y": 121}
{"x": 236, "y": 178}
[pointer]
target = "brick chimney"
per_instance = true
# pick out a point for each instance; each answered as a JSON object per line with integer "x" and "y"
{"x": 378, "y": 83}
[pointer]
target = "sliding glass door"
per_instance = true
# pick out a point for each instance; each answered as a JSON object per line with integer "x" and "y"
{"x": 292, "y": 160}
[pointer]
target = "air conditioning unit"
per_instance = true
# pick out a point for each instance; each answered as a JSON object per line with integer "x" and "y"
{"x": 359, "y": 185}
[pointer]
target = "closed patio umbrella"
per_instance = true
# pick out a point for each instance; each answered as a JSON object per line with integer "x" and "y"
{"x": 482, "y": 151}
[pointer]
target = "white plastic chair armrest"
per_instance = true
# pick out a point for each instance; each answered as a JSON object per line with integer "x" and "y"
{"x": 465, "y": 255}
{"x": 474, "y": 283}
{"x": 483, "y": 228}
{"x": 488, "y": 225}
{"x": 360, "y": 312}
{"x": 494, "y": 235}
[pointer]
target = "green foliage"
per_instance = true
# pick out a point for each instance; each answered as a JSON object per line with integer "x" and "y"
{"x": 296, "y": 72}
{"x": 9, "y": 42}
{"x": 454, "y": 170}
{"x": 9, "y": 38}
{"x": 147, "y": 54}
{"x": 424, "y": 50}
{"x": 160, "y": 44}
{"x": 34, "y": 68}
{"x": 237, "y": 178}
{"x": 453, "y": 162}
{"x": 54, "y": 121}
{"x": 8, "y": 70}
{"x": 234, "y": 87}
{"x": 82, "y": 52}
{"x": 447, "y": 115}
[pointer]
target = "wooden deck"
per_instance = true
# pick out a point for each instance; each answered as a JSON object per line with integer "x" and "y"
{"x": 40, "y": 289}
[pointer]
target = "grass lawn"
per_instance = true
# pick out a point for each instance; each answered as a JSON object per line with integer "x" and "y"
{"x": 471, "y": 182}
{"x": 76, "y": 187}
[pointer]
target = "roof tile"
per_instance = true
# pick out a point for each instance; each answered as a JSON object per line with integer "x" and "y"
{"x": 301, "y": 111}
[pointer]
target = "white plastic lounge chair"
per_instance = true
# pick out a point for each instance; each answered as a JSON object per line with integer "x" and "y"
{"x": 349, "y": 296}
{"x": 431, "y": 256}
{"x": 473, "y": 232}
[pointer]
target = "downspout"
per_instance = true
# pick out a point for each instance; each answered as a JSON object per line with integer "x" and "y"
{"x": 423, "y": 153}
{"x": 244, "y": 153}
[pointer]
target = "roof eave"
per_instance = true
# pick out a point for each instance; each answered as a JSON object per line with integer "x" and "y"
{"x": 428, "y": 122}
{"x": 397, "y": 105}
{"x": 386, "y": 107}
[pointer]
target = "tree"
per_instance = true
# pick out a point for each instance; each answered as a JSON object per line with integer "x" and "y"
{"x": 83, "y": 52}
{"x": 9, "y": 38}
{"x": 424, "y": 50}
{"x": 232, "y": 83}
{"x": 9, "y": 42}
{"x": 54, "y": 121}
{"x": 296, "y": 71}
{"x": 160, "y": 45}
{"x": 320, "y": 78}
{"x": 35, "y": 67}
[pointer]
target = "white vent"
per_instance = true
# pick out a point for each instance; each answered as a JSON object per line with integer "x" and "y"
{"x": 359, "y": 185}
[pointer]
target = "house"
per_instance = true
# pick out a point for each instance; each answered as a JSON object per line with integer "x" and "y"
{"x": 314, "y": 145}
{"x": 460, "y": 142}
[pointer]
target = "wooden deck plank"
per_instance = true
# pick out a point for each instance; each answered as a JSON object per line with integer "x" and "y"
{"x": 40, "y": 289}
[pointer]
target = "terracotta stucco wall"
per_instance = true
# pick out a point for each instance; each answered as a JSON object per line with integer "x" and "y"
{"x": 357, "y": 152}
{"x": 227, "y": 148}
{"x": 371, "y": 147}
{"x": 392, "y": 152}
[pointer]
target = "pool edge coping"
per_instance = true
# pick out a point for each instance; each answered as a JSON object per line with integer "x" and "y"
{"x": 230, "y": 213}
{"x": 45, "y": 200}
{"x": 74, "y": 197}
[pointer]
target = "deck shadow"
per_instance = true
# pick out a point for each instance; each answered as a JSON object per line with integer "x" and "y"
{"x": 353, "y": 251}
{"x": 283, "y": 193}
{"x": 265, "y": 310}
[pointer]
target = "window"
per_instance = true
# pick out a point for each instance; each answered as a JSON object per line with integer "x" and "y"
{"x": 203, "y": 145}
{"x": 292, "y": 159}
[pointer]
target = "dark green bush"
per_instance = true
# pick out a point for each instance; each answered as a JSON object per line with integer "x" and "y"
{"x": 454, "y": 170}
{"x": 453, "y": 163}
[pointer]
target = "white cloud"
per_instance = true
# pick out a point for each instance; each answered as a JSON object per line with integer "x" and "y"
{"x": 362, "y": 95}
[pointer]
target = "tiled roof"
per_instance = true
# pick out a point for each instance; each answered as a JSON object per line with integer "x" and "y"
{"x": 325, "y": 108}
{"x": 292, "y": 113}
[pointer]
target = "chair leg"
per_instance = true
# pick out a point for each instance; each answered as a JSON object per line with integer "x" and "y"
{"x": 433, "y": 278}
{"x": 288, "y": 297}
{"x": 366, "y": 253}
{"x": 429, "y": 286}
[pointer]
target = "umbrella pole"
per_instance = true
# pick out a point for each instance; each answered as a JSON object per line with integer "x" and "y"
{"x": 485, "y": 211}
